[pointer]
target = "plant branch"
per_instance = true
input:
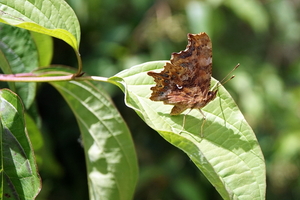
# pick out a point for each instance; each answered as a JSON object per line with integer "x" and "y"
{"x": 30, "y": 77}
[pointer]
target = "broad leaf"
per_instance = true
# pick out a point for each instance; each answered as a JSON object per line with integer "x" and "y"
{"x": 19, "y": 176}
{"x": 109, "y": 150}
{"x": 51, "y": 17}
{"x": 18, "y": 55}
{"x": 228, "y": 154}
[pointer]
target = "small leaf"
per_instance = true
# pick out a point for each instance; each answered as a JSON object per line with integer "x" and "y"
{"x": 44, "y": 44}
{"x": 228, "y": 154}
{"x": 19, "y": 175}
{"x": 51, "y": 17}
{"x": 109, "y": 150}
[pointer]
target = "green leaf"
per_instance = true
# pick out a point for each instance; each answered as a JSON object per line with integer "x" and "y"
{"x": 228, "y": 154}
{"x": 19, "y": 175}
{"x": 18, "y": 55}
{"x": 109, "y": 150}
{"x": 44, "y": 44}
{"x": 51, "y": 17}
{"x": 34, "y": 133}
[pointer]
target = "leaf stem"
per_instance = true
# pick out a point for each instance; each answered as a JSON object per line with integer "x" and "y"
{"x": 79, "y": 70}
{"x": 29, "y": 77}
{"x": 92, "y": 78}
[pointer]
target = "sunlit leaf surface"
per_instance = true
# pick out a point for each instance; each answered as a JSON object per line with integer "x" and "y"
{"x": 228, "y": 154}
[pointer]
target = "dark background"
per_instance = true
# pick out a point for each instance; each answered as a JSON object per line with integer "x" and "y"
{"x": 263, "y": 36}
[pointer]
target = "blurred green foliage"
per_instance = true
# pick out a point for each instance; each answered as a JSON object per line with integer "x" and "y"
{"x": 262, "y": 35}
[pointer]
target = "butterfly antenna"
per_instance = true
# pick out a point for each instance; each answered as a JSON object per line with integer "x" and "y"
{"x": 223, "y": 81}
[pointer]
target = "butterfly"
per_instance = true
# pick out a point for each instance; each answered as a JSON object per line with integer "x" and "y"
{"x": 185, "y": 80}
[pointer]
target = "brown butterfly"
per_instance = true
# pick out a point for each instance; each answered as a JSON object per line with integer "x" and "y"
{"x": 185, "y": 81}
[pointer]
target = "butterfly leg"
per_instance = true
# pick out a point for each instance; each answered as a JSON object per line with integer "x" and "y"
{"x": 183, "y": 124}
{"x": 204, "y": 120}
{"x": 183, "y": 121}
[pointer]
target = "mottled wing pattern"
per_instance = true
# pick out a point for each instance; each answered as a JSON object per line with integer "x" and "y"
{"x": 185, "y": 81}
{"x": 197, "y": 59}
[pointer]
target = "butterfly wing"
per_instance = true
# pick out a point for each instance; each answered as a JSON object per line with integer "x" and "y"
{"x": 186, "y": 79}
{"x": 197, "y": 59}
